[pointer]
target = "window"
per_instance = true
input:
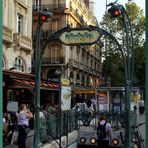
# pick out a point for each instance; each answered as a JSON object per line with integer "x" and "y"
{"x": 19, "y": 23}
{"x": 38, "y": 2}
{"x": 19, "y": 64}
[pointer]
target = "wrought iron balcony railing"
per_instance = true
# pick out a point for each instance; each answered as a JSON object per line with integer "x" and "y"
{"x": 50, "y": 7}
{"x": 83, "y": 66}
{"x": 78, "y": 16}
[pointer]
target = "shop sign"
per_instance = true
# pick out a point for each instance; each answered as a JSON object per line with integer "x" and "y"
{"x": 64, "y": 80}
{"x": 79, "y": 37}
{"x": 12, "y": 106}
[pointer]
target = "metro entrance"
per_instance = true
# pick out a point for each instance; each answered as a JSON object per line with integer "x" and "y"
{"x": 110, "y": 102}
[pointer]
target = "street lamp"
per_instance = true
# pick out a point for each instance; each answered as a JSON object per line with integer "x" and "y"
{"x": 42, "y": 18}
{"x": 116, "y": 10}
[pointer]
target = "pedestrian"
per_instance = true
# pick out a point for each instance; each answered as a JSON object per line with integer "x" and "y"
{"x": 23, "y": 125}
{"x": 51, "y": 109}
{"x": 103, "y": 133}
{"x": 141, "y": 106}
{"x": 45, "y": 107}
{"x": 76, "y": 108}
{"x": 41, "y": 114}
{"x": 89, "y": 106}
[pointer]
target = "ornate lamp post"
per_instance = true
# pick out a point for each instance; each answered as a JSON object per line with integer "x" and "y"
{"x": 42, "y": 18}
{"x": 117, "y": 10}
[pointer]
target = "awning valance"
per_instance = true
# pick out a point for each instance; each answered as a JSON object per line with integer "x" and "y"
{"x": 82, "y": 91}
{"x": 44, "y": 85}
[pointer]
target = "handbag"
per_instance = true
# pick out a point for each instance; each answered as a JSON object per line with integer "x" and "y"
{"x": 27, "y": 129}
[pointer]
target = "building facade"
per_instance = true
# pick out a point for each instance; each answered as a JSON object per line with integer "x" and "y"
{"x": 17, "y": 51}
{"x": 82, "y": 64}
{"x": 17, "y": 35}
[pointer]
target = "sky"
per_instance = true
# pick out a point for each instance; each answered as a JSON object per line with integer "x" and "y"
{"x": 100, "y": 6}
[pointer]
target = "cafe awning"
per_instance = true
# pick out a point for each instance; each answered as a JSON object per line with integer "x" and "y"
{"x": 86, "y": 91}
{"x": 44, "y": 85}
{"x": 15, "y": 79}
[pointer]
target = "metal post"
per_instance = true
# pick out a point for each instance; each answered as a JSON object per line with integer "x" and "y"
{"x": 129, "y": 74}
{"x": 36, "y": 142}
{"x": 1, "y": 81}
{"x": 38, "y": 62}
{"x": 128, "y": 91}
{"x": 128, "y": 64}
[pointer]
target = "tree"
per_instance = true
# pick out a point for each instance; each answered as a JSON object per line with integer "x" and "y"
{"x": 116, "y": 27}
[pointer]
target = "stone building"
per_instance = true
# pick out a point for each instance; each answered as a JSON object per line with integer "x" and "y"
{"x": 17, "y": 51}
{"x": 82, "y": 64}
{"x": 17, "y": 35}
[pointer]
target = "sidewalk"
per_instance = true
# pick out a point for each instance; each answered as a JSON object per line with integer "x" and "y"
{"x": 29, "y": 141}
{"x": 11, "y": 146}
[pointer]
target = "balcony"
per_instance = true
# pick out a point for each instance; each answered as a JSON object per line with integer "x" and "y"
{"x": 7, "y": 34}
{"x": 83, "y": 66}
{"x": 51, "y": 7}
{"x": 22, "y": 41}
{"x": 78, "y": 16}
{"x": 52, "y": 60}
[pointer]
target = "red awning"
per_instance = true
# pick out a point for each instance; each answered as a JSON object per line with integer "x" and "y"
{"x": 14, "y": 79}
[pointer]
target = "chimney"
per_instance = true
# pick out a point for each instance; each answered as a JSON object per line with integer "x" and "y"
{"x": 86, "y": 3}
{"x": 91, "y": 6}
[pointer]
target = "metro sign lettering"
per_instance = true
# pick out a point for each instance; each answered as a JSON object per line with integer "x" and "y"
{"x": 79, "y": 37}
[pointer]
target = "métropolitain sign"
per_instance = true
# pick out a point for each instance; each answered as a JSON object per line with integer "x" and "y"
{"x": 79, "y": 37}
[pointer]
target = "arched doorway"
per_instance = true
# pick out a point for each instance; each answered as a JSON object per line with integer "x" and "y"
{"x": 53, "y": 76}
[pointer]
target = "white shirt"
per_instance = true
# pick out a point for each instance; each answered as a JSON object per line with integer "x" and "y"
{"x": 141, "y": 103}
{"x": 41, "y": 115}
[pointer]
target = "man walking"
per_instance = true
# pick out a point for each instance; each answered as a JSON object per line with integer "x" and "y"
{"x": 103, "y": 133}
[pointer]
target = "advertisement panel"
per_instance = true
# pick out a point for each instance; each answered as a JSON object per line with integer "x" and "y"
{"x": 65, "y": 98}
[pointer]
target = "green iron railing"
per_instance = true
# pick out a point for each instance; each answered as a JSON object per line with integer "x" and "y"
{"x": 60, "y": 124}
{"x": 57, "y": 125}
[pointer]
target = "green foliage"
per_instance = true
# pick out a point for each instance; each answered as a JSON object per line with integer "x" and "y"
{"x": 112, "y": 65}
{"x": 139, "y": 63}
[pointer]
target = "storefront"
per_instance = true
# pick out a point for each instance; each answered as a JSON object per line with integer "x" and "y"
{"x": 19, "y": 87}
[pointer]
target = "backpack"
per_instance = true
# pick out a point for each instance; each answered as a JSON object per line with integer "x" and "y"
{"x": 101, "y": 131}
